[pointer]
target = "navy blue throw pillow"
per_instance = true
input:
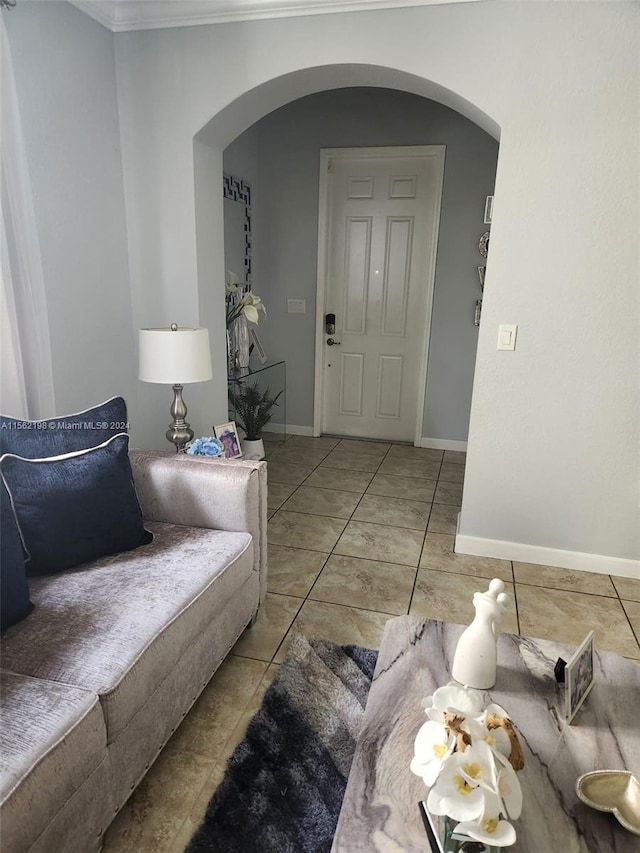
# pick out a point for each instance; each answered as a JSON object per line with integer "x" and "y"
{"x": 75, "y": 508}
{"x": 54, "y": 436}
{"x": 14, "y": 589}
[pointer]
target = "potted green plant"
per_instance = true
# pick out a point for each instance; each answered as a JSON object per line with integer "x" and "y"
{"x": 252, "y": 413}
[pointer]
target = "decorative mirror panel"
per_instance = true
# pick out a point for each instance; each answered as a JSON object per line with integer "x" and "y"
{"x": 237, "y": 227}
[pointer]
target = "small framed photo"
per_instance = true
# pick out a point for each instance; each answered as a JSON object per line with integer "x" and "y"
{"x": 481, "y": 274}
{"x": 578, "y": 676}
{"x": 488, "y": 210}
{"x": 255, "y": 340}
{"x": 228, "y": 435}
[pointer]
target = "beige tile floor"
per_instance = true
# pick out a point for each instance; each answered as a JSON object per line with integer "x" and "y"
{"x": 359, "y": 532}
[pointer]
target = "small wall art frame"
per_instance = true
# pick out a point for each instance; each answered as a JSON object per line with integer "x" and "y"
{"x": 488, "y": 210}
{"x": 481, "y": 275}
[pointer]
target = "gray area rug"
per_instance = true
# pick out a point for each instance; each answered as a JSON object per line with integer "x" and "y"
{"x": 284, "y": 784}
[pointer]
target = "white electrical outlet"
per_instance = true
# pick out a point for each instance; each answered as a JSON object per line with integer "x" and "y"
{"x": 296, "y": 306}
{"x": 507, "y": 337}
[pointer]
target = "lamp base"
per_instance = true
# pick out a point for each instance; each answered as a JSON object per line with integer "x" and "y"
{"x": 179, "y": 432}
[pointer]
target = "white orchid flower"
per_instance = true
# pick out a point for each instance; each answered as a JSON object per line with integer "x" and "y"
{"x": 250, "y": 313}
{"x": 431, "y": 747}
{"x": 231, "y": 283}
{"x": 464, "y": 779}
{"x": 498, "y": 710}
{"x": 491, "y": 831}
{"x": 507, "y": 787}
{"x": 453, "y": 697}
{"x": 497, "y": 739}
{"x": 251, "y": 304}
{"x": 258, "y": 303}
{"x": 243, "y": 304}
{"x": 489, "y": 828}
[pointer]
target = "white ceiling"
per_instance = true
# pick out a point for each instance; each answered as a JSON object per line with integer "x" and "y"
{"x": 120, "y": 15}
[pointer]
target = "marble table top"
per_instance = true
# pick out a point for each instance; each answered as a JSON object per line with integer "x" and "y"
{"x": 380, "y": 809}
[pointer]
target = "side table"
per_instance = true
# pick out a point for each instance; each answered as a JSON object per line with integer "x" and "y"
{"x": 380, "y": 808}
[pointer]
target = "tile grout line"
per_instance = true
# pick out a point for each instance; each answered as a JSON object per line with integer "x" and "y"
{"x": 635, "y": 633}
{"x": 331, "y": 552}
{"x": 416, "y": 568}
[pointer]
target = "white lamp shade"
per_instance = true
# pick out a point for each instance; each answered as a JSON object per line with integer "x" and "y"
{"x": 175, "y": 357}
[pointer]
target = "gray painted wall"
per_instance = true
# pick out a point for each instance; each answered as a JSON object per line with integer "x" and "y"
{"x": 280, "y": 156}
{"x": 66, "y": 84}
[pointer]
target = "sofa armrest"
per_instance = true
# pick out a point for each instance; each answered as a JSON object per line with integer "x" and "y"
{"x": 198, "y": 491}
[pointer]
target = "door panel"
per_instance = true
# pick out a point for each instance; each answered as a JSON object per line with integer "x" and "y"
{"x": 351, "y": 373}
{"x": 356, "y": 277}
{"x": 380, "y": 259}
{"x": 389, "y": 385}
{"x": 396, "y": 279}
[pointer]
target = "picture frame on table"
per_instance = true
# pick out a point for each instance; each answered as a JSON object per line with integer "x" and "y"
{"x": 579, "y": 676}
{"x": 228, "y": 435}
{"x": 257, "y": 345}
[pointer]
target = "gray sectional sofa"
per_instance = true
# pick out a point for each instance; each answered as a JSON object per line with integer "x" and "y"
{"x": 97, "y": 678}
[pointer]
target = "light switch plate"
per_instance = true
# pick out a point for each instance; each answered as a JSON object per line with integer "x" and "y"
{"x": 296, "y": 306}
{"x": 507, "y": 337}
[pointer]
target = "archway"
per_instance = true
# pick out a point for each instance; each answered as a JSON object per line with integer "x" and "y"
{"x": 267, "y": 98}
{"x": 231, "y": 121}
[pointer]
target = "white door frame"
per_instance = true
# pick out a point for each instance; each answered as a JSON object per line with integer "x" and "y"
{"x": 327, "y": 154}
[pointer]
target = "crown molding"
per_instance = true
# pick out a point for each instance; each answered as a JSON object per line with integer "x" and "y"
{"x": 125, "y": 15}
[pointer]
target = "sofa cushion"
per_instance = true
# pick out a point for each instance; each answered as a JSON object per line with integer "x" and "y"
{"x": 117, "y": 626}
{"x": 76, "y": 507}
{"x": 52, "y": 739}
{"x": 33, "y": 440}
{"x": 14, "y": 597}
{"x": 55, "y": 436}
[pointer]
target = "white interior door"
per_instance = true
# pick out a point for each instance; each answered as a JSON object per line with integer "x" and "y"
{"x": 377, "y": 264}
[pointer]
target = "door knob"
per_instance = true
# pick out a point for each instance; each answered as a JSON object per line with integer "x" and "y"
{"x": 332, "y": 343}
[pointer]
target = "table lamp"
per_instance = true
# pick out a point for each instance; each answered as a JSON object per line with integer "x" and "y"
{"x": 175, "y": 356}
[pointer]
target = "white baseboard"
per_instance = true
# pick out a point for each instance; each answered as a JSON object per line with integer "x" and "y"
{"x": 292, "y": 429}
{"x": 435, "y": 443}
{"x": 522, "y": 553}
{"x": 443, "y": 444}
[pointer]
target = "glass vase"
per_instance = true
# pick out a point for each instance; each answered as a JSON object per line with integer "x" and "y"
{"x": 240, "y": 342}
{"x": 230, "y": 355}
{"x": 464, "y": 844}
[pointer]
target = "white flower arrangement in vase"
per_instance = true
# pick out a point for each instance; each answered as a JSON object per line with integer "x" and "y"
{"x": 468, "y": 756}
{"x": 241, "y": 302}
{"x": 242, "y": 308}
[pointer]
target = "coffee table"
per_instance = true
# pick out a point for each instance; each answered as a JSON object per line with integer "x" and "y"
{"x": 380, "y": 808}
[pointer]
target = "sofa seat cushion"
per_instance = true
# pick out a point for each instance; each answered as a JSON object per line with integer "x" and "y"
{"x": 118, "y": 626}
{"x": 52, "y": 739}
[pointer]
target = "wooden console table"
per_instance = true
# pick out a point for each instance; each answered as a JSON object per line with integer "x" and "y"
{"x": 380, "y": 809}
